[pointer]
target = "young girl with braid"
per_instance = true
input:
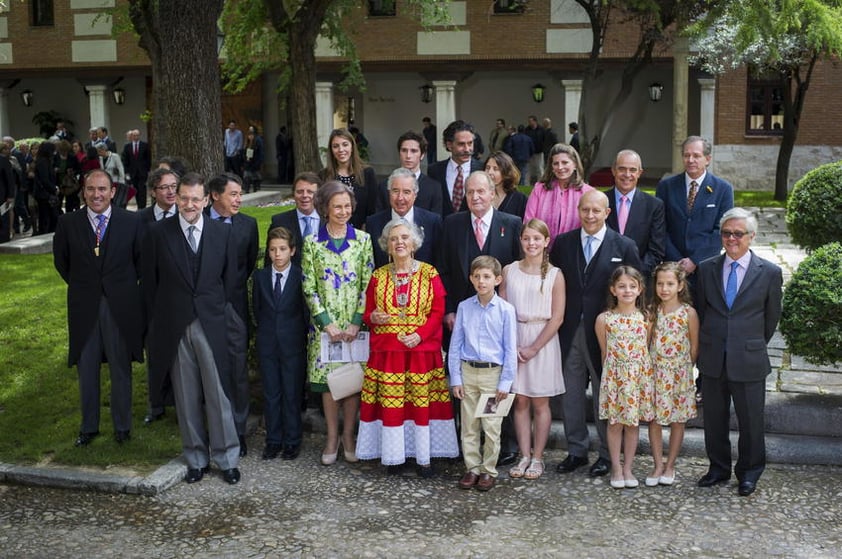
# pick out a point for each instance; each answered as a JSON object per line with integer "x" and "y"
{"x": 537, "y": 292}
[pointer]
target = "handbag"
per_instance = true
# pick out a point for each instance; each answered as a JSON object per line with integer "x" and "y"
{"x": 345, "y": 380}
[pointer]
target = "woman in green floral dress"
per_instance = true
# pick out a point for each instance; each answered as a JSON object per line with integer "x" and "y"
{"x": 337, "y": 263}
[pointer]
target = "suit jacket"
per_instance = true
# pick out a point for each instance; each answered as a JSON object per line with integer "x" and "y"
{"x": 429, "y": 195}
{"x": 460, "y": 248}
{"x": 113, "y": 274}
{"x": 289, "y": 220}
{"x": 282, "y": 326}
{"x": 645, "y": 226}
{"x": 438, "y": 172}
{"x": 246, "y": 241}
{"x": 587, "y": 289}
{"x": 365, "y": 194}
{"x": 696, "y": 235}
{"x": 734, "y": 340}
{"x": 137, "y": 167}
{"x": 174, "y": 299}
{"x": 428, "y": 222}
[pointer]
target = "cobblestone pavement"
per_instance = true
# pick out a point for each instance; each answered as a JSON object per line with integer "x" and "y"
{"x": 302, "y": 509}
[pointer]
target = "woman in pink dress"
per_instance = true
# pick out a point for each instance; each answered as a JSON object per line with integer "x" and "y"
{"x": 555, "y": 199}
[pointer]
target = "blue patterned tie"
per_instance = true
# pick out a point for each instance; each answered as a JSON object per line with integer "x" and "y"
{"x": 731, "y": 285}
{"x": 308, "y": 228}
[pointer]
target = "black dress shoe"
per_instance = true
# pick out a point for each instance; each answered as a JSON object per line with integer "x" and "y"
{"x": 710, "y": 479}
{"x": 152, "y": 418}
{"x": 425, "y": 472}
{"x": 507, "y": 458}
{"x": 291, "y": 452}
{"x": 394, "y": 469}
{"x": 600, "y": 468}
{"x": 84, "y": 439}
{"x": 571, "y": 463}
{"x": 746, "y": 488}
{"x": 231, "y": 476}
{"x": 244, "y": 449}
{"x": 196, "y": 474}
{"x": 271, "y": 451}
{"x": 122, "y": 436}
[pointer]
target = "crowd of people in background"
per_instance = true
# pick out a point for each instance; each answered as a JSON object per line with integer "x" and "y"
{"x": 529, "y": 296}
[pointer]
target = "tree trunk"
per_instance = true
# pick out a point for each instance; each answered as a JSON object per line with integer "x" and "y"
{"x": 180, "y": 38}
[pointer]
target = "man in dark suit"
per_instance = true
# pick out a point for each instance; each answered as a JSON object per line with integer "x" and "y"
{"x": 452, "y": 173}
{"x": 738, "y": 298}
{"x": 411, "y": 149}
{"x": 498, "y": 236}
{"x": 162, "y": 183}
{"x": 403, "y": 192}
{"x": 137, "y": 160}
{"x": 226, "y": 192}
{"x": 189, "y": 277}
{"x": 102, "y": 136}
{"x": 587, "y": 256}
{"x": 97, "y": 253}
{"x": 636, "y": 214}
{"x": 694, "y": 203}
{"x": 521, "y": 149}
{"x": 8, "y": 192}
{"x": 304, "y": 220}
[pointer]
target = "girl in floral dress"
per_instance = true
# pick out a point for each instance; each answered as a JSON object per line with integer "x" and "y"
{"x": 675, "y": 344}
{"x": 626, "y": 390}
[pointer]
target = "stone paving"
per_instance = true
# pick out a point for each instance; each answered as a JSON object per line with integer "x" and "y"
{"x": 302, "y": 509}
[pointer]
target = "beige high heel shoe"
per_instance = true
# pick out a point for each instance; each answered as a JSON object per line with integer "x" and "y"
{"x": 330, "y": 459}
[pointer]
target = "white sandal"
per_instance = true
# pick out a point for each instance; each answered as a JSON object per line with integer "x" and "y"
{"x": 535, "y": 470}
{"x": 518, "y": 471}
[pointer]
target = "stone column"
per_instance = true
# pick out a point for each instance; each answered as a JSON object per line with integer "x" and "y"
{"x": 572, "y": 100}
{"x": 707, "y": 106}
{"x": 98, "y": 103}
{"x": 445, "y": 110}
{"x": 5, "y": 123}
{"x": 680, "y": 74}
{"x": 324, "y": 112}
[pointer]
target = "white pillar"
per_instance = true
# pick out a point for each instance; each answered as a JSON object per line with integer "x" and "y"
{"x": 5, "y": 123}
{"x": 445, "y": 110}
{"x": 98, "y": 103}
{"x": 572, "y": 100}
{"x": 324, "y": 112}
{"x": 706, "y": 108}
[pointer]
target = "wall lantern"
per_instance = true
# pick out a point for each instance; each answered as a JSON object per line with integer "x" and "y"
{"x": 538, "y": 92}
{"x": 426, "y": 93}
{"x": 656, "y": 90}
{"x": 119, "y": 95}
{"x": 27, "y": 97}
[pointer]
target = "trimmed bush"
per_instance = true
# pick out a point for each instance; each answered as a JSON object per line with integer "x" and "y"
{"x": 812, "y": 307}
{"x": 814, "y": 210}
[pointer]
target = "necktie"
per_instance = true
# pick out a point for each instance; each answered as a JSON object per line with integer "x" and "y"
{"x": 458, "y": 189}
{"x": 277, "y": 290}
{"x": 221, "y": 218}
{"x": 588, "y": 242}
{"x": 623, "y": 214}
{"x": 731, "y": 285}
{"x": 165, "y": 215}
{"x": 135, "y": 149}
{"x": 308, "y": 227}
{"x": 100, "y": 229}
{"x": 478, "y": 232}
{"x": 691, "y": 196}
{"x": 191, "y": 239}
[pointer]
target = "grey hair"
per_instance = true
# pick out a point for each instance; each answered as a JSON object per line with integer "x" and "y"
{"x": 402, "y": 172}
{"x": 706, "y": 147}
{"x": 482, "y": 174}
{"x": 740, "y": 213}
{"x": 415, "y": 233}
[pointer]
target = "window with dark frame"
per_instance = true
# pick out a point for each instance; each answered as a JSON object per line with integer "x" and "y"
{"x": 42, "y": 13}
{"x": 509, "y": 6}
{"x": 765, "y": 106}
{"x": 381, "y": 8}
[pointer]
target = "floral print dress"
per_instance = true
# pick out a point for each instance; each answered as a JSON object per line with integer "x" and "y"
{"x": 675, "y": 389}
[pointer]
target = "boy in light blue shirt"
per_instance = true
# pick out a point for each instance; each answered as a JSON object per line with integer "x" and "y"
{"x": 482, "y": 360}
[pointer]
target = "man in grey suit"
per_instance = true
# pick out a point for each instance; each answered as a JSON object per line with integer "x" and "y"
{"x": 226, "y": 192}
{"x": 738, "y": 298}
{"x": 189, "y": 276}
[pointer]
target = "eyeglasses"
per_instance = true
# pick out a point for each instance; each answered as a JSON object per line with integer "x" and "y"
{"x": 733, "y": 234}
{"x": 171, "y": 187}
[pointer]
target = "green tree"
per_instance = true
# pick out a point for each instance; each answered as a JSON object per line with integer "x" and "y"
{"x": 180, "y": 37}
{"x": 655, "y": 22}
{"x": 784, "y": 38}
{"x": 263, "y": 35}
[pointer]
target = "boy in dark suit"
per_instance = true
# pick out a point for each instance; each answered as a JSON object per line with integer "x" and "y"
{"x": 282, "y": 318}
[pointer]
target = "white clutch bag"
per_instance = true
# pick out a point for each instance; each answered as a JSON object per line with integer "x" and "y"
{"x": 345, "y": 380}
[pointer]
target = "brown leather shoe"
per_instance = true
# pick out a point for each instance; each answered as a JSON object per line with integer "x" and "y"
{"x": 486, "y": 482}
{"x": 468, "y": 480}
